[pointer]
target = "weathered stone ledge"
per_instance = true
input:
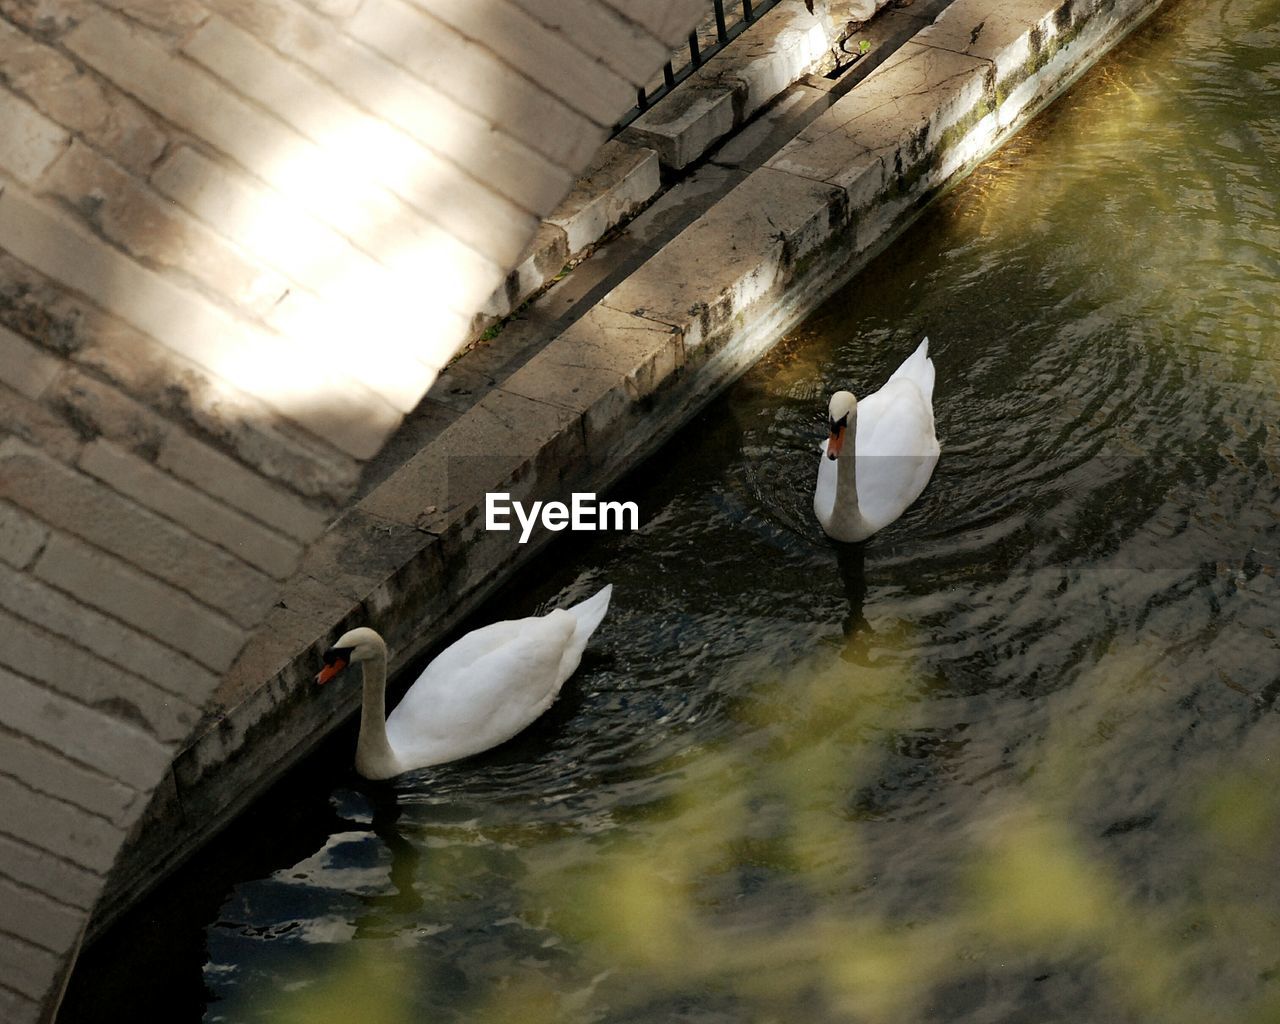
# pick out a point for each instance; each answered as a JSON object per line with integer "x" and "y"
{"x": 620, "y": 381}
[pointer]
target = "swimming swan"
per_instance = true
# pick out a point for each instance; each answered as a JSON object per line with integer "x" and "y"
{"x": 475, "y": 694}
{"x": 864, "y": 486}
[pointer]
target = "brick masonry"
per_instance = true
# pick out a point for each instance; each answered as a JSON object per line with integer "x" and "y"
{"x": 203, "y": 203}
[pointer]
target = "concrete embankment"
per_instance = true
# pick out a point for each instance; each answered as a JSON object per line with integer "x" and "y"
{"x": 413, "y": 556}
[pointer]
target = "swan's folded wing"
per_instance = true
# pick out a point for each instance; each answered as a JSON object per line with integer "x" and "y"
{"x": 465, "y": 705}
{"x": 896, "y": 420}
{"x": 587, "y": 615}
{"x": 897, "y": 450}
{"x": 918, "y": 368}
{"x": 475, "y": 645}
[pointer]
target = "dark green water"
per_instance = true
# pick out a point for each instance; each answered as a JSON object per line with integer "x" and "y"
{"x": 1019, "y": 760}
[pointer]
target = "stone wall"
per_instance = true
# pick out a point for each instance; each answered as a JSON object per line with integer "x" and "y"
{"x": 238, "y": 239}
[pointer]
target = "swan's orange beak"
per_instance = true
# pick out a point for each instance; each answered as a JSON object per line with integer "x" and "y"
{"x": 334, "y": 663}
{"x": 836, "y": 441}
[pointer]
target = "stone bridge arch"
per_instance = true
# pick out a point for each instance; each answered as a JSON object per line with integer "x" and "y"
{"x": 238, "y": 240}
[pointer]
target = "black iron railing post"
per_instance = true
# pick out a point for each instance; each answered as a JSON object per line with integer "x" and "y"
{"x": 698, "y": 53}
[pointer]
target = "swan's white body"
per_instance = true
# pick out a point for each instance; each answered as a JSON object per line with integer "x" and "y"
{"x": 872, "y": 481}
{"x": 476, "y": 694}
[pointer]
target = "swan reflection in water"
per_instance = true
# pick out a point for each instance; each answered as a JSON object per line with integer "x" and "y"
{"x": 404, "y": 899}
{"x": 851, "y": 562}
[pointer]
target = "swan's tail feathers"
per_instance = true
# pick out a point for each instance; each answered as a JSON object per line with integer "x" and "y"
{"x": 589, "y": 613}
{"x": 918, "y": 367}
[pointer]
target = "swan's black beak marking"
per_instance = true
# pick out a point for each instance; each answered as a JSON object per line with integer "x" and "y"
{"x": 335, "y": 660}
{"x": 836, "y": 441}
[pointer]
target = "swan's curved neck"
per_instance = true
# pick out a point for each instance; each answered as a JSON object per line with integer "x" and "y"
{"x": 374, "y": 757}
{"x": 846, "y": 516}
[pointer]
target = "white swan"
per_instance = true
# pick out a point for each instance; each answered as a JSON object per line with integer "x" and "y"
{"x": 864, "y": 486}
{"x": 478, "y": 692}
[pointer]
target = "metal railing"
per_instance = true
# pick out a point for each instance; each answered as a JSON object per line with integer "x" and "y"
{"x": 708, "y": 39}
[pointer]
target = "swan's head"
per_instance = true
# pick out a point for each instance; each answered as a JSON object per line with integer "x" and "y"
{"x": 359, "y": 644}
{"x": 840, "y": 414}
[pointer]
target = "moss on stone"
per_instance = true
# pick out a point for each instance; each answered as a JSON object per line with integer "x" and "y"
{"x": 954, "y": 133}
{"x": 821, "y": 253}
{"x": 1041, "y": 54}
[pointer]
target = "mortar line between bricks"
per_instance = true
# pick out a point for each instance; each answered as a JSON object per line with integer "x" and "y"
{"x": 452, "y": 97}
{"x": 176, "y": 691}
{"x": 61, "y": 799}
{"x": 162, "y": 514}
{"x": 636, "y": 27}
{"x": 180, "y": 275}
{"x": 223, "y": 618}
{"x": 294, "y": 496}
{"x": 70, "y": 759}
{"x": 35, "y": 555}
{"x": 177, "y": 276}
{"x": 179, "y": 58}
{"x": 17, "y": 883}
{"x": 21, "y": 995}
{"x": 514, "y": 68}
{"x": 372, "y": 54}
{"x": 146, "y": 733}
{"x": 29, "y": 942}
{"x": 185, "y": 39}
{"x": 51, "y": 854}
{"x": 309, "y": 72}
{"x": 16, "y": 992}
